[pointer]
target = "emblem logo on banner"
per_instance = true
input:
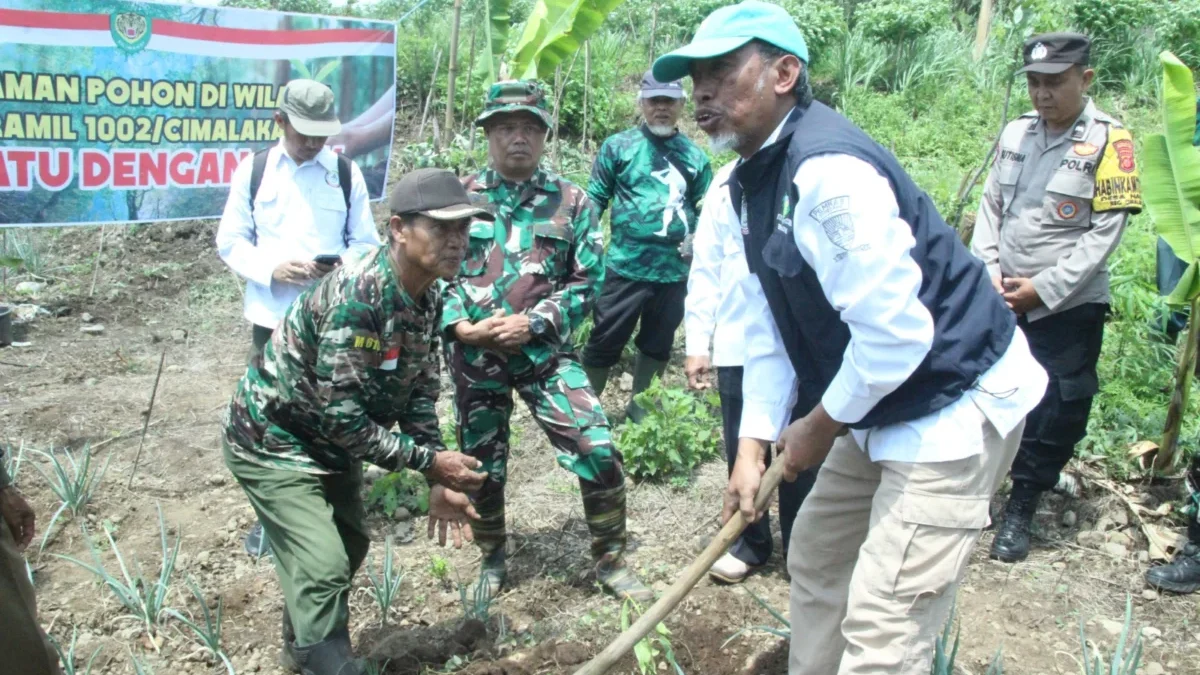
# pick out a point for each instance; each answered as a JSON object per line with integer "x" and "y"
{"x": 130, "y": 31}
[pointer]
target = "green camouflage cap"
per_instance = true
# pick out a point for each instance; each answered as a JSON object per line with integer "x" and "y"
{"x": 514, "y": 96}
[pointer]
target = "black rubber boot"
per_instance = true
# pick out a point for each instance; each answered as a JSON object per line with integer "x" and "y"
{"x": 287, "y": 657}
{"x": 598, "y": 377}
{"x": 644, "y": 370}
{"x": 331, "y": 656}
{"x": 1182, "y": 575}
{"x": 1012, "y": 539}
{"x": 257, "y": 544}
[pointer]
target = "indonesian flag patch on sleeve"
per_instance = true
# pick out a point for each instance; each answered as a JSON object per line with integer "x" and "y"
{"x": 390, "y": 358}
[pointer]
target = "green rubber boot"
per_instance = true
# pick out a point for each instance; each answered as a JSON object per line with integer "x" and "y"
{"x": 598, "y": 377}
{"x": 644, "y": 370}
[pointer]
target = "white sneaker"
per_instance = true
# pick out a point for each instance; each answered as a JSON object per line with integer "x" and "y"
{"x": 728, "y": 569}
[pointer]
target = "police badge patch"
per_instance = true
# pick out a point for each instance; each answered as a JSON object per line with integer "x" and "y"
{"x": 834, "y": 217}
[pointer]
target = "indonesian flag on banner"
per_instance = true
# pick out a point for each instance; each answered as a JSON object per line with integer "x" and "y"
{"x": 390, "y": 359}
{"x": 128, "y": 29}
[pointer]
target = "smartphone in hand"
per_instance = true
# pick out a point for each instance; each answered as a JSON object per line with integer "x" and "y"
{"x": 331, "y": 260}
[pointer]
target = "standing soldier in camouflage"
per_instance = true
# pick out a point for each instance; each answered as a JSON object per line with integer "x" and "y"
{"x": 1053, "y": 209}
{"x": 528, "y": 281}
{"x": 655, "y": 179}
{"x": 353, "y": 356}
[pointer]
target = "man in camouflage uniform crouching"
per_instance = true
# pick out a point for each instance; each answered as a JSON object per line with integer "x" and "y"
{"x": 353, "y": 356}
{"x": 529, "y": 280}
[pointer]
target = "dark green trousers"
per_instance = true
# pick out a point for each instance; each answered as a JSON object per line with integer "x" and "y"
{"x": 317, "y": 529}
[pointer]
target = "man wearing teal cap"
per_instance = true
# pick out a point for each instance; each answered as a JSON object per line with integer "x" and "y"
{"x": 865, "y": 310}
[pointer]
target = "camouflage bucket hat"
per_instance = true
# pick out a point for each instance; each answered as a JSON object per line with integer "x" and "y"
{"x": 515, "y": 96}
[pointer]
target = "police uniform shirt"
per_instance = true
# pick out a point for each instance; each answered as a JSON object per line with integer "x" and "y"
{"x": 299, "y": 213}
{"x": 875, "y": 290}
{"x": 1054, "y": 207}
{"x": 715, "y": 309}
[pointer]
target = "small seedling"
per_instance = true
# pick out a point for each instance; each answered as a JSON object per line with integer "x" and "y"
{"x": 12, "y": 462}
{"x": 943, "y": 661}
{"x": 207, "y": 636}
{"x": 1123, "y": 661}
{"x": 439, "y": 568}
{"x": 73, "y": 482}
{"x": 372, "y": 667}
{"x": 478, "y": 605}
{"x": 785, "y": 632}
{"x": 140, "y": 667}
{"x": 67, "y": 658}
{"x": 649, "y": 649}
{"x": 143, "y": 598}
{"x": 386, "y": 585}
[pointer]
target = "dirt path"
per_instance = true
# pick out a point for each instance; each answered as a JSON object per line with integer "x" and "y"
{"x": 165, "y": 289}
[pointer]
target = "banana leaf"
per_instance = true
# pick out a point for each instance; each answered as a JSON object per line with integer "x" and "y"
{"x": 555, "y": 30}
{"x": 496, "y": 28}
{"x": 1171, "y": 187}
{"x": 1171, "y": 175}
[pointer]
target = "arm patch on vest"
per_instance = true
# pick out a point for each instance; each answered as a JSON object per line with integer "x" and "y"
{"x": 1117, "y": 184}
{"x": 837, "y": 221}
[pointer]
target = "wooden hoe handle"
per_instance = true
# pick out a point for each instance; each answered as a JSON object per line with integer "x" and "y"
{"x": 600, "y": 664}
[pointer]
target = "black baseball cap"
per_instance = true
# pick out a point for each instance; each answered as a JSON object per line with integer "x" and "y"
{"x": 436, "y": 193}
{"x": 1053, "y": 53}
{"x": 652, "y": 88}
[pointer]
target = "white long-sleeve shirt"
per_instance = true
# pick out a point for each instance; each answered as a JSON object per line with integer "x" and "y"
{"x": 714, "y": 308}
{"x": 299, "y": 214}
{"x": 873, "y": 283}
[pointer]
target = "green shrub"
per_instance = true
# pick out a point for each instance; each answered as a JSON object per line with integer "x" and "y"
{"x": 678, "y": 433}
{"x": 406, "y": 489}
{"x": 897, "y": 21}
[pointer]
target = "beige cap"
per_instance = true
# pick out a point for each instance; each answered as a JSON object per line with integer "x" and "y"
{"x": 309, "y": 107}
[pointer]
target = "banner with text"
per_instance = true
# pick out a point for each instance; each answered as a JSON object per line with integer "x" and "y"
{"x": 141, "y": 111}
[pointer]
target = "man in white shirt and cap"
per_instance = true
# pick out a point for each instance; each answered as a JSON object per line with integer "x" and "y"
{"x": 865, "y": 310}
{"x": 295, "y": 211}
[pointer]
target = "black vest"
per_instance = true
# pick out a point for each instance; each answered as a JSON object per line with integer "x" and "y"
{"x": 972, "y": 325}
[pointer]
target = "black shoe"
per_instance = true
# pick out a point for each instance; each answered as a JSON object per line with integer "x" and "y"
{"x": 287, "y": 657}
{"x": 257, "y": 544}
{"x": 1182, "y": 575}
{"x": 331, "y": 656}
{"x": 1012, "y": 538}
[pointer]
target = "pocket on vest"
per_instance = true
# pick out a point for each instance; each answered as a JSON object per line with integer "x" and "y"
{"x": 782, "y": 255}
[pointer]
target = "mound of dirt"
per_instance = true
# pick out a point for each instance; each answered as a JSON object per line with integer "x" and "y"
{"x": 408, "y": 650}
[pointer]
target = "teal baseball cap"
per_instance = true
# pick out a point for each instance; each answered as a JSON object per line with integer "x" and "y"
{"x": 728, "y": 29}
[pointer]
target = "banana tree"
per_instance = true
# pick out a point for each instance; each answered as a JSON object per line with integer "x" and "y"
{"x": 1171, "y": 185}
{"x": 555, "y": 30}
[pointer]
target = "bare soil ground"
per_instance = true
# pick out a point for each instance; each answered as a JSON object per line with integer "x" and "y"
{"x": 163, "y": 288}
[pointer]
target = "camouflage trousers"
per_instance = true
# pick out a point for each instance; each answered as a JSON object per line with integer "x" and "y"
{"x": 563, "y": 404}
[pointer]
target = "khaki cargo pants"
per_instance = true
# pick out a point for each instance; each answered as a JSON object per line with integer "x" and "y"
{"x": 878, "y": 551}
{"x": 23, "y": 645}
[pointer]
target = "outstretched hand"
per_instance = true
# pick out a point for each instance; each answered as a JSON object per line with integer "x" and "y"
{"x": 453, "y": 511}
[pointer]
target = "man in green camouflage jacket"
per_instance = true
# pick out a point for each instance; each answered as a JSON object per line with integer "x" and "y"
{"x": 528, "y": 281}
{"x": 655, "y": 179}
{"x": 353, "y": 356}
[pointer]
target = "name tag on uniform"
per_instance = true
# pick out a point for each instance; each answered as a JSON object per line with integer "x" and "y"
{"x": 390, "y": 358}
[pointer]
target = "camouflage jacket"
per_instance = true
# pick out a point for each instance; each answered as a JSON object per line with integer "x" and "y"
{"x": 654, "y": 206}
{"x": 352, "y": 356}
{"x": 542, "y": 255}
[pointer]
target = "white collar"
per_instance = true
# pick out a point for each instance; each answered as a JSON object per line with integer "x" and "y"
{"x": 778, "y": 130}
